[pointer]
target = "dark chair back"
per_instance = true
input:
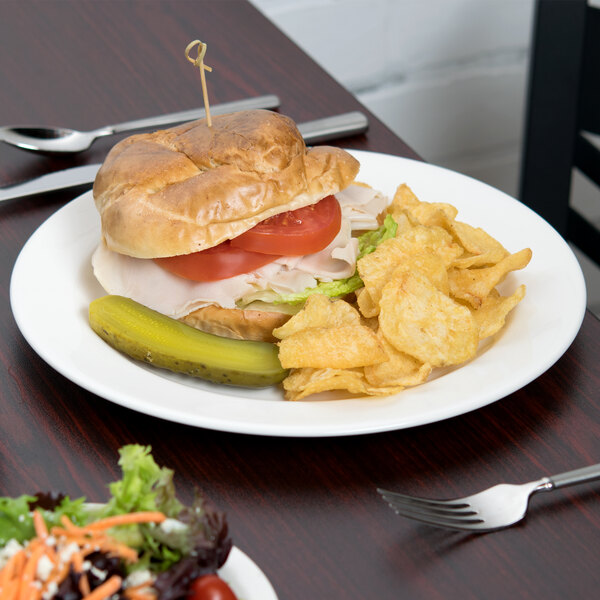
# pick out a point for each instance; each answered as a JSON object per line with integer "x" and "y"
{"x": 563, "y": 102}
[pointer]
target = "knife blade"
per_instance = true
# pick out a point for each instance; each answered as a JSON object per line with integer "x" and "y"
{"x": 319, "y": 130}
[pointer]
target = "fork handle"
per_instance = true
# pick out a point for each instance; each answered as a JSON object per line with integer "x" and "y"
{"x": 577, "y": 476}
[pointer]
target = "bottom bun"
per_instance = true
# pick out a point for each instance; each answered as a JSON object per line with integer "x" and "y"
{"x": 238, "y": 324}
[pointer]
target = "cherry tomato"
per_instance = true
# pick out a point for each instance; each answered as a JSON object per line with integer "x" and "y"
{"x": 216, "y": 263}
{"x": 294, "y": 233}
{"x": 210, "y": 587}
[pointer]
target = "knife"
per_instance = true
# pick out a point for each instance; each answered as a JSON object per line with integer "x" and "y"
{"x": 319, "y": 130}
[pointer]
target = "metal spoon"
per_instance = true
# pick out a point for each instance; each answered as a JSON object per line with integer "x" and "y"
{"x": 59, "y": 140}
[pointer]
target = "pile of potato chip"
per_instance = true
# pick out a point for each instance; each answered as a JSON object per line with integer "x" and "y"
{"x": 429, "y": 298}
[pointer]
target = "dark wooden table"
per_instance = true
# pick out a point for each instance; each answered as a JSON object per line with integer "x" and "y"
{"x": 305, "y": 510}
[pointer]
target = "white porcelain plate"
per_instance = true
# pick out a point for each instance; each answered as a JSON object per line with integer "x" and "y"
{"x": 244, "y": 577}
{"x": 52, "y": 285}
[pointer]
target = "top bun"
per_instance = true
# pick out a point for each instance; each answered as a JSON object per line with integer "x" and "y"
{"x": 191, "y": 187}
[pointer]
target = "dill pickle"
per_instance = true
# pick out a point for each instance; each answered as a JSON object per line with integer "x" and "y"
{"x": 149, "y": 336}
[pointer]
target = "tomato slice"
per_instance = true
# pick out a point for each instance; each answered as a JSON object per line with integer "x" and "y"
{"x": 210, "y": 587}
{"x": 219, "y": 262}
{"x": 292, "y": 233}
{"x": 295, "y": 232}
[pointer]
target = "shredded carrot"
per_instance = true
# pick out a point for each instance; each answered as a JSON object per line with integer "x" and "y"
{"x": 139, "y": 586}
{"x": 28, "y": 573}
{"x": 139, "y": 595}
{"x": 77, "y": 537}
{"x": 128, "y": 519}
{"x": 106, "y": 589}
{"x": 141, "y": 591}
{"x": 14, "y": 565}
{"x": 69, "y": 525}
{"x": 84, "y": 584}
{"x": 10, "y": 590}
{"x": 18, "y": 576}
{"x": 77, "y": 561}
{"x": 39, "y": 524}
{"x": 125, "y": 552}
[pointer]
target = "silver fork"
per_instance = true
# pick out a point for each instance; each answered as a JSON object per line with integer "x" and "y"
{"x": 495, "y": 508}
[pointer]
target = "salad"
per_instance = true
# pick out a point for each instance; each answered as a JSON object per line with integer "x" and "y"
{"x": 143, "y": 544}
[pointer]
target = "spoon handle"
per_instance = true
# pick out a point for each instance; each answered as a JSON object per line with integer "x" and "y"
{"x": 268, "y": 101}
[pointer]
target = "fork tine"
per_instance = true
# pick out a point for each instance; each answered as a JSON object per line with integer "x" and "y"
{"x": 455, "y": 517}
{"x": 463, "y": 510}
{"x": 458, "y": 524}
{"x": 416, "y": 500}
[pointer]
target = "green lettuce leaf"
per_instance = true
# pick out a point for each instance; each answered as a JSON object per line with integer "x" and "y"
{"x": 16, "y": 521}
{"x": 144, "y": 486}
{"x": 367, "y": 243}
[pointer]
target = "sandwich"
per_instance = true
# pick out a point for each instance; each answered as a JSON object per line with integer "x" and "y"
{"x": 229, "y": 228}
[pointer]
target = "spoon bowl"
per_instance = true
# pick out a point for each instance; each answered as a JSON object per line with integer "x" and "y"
{"x": 51, "y": 140}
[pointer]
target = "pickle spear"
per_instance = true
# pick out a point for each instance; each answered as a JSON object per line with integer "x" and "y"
{"x": 149, "y": 336}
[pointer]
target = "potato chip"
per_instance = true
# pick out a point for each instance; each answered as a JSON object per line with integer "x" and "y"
{"x": 473, "y": 285}
{"x": 481, "y": 248}
{"x": 435, "y": 238}
{"x": 377, "y": 268}
{"x": 304, "y": 382}
{"x": 418, "y": 319}
{"x": 429, "y": 264}
{"x": 424, "y": 213}
{"x": 399, "y": 370}
{"x": 404, "y": 197}
{"x": 343, "y": 347}
{"x": 468, "y": 261}
{"x": 367, "y": 306}
{"x": 474, "y": 239}
{"x": 491, "y": 315}
{"x": 319, "y": 311}
{"x": 371, "y": 322}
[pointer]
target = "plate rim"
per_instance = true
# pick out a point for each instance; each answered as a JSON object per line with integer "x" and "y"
{"x": 244, "y": 567}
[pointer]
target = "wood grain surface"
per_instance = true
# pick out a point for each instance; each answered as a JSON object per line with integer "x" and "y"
{"x": 306, "y": 510}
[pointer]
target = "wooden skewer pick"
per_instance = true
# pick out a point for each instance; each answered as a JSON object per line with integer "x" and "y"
{"x": 199, "y": 62}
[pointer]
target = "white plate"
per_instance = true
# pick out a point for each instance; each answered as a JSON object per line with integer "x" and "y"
{"x": 52, "y": 285}
{"x": 244, "y": 577}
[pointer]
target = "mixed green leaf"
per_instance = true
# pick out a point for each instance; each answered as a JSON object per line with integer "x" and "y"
{"x": 192, "y": 541}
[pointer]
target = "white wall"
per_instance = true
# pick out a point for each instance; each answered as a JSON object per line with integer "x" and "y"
{"x": 448, "y": 76}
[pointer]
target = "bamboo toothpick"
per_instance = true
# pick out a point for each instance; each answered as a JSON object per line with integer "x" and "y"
{"x": 199, "y": 62}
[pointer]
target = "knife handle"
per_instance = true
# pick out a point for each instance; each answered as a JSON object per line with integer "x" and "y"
{"x": 330, "y": 128}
